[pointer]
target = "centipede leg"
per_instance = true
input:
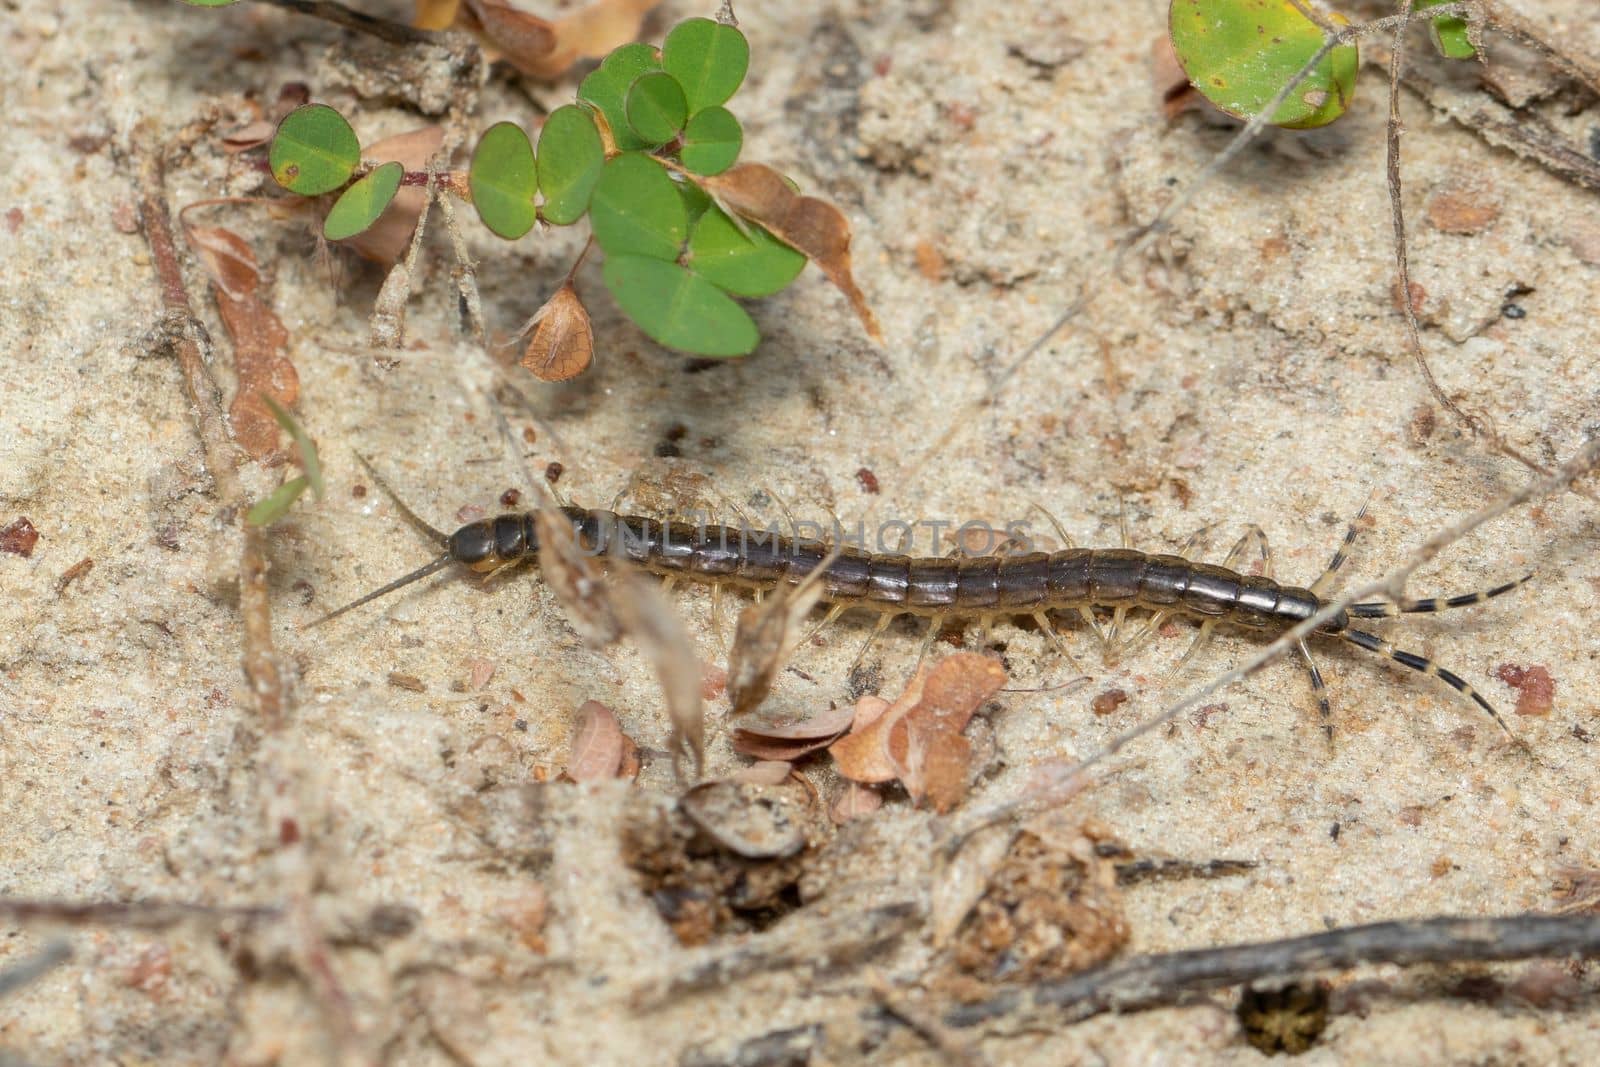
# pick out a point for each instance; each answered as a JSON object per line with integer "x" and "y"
{"x": 1318, "y": 690}
{"x": 1253, "y": 535}
{"x": 1159, "y": 618}
{"x": 834, "y": 611}
{"x": 1325, "y": 581}
{"x": 935, "y": 625}
{"x": 716, "y": 620}
{"x": 1201, "y": 640}
{"x": 877, "y": 632}
{"x": 1423, "y": 665}
{"x": 1054, "y": 638}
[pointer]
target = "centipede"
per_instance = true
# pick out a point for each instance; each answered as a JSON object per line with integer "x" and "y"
{"x": 1101, "y": 586}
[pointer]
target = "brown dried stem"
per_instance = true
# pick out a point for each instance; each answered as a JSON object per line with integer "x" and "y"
{"x": 1177, "y": 977}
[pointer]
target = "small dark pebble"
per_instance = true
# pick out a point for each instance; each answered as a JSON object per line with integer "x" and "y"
{"x": 358, "y": 490}
{"x": 552, "y": 473}
{"x": 521, "y": 724}
{"x": 510, "y": 498}
{"x": 868, "y": 480}
{"x": 666, "y": 449}
{"x": 1514, "y": 311}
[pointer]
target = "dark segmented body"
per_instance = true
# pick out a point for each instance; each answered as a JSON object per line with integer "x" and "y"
{"x": 888, "y": 583}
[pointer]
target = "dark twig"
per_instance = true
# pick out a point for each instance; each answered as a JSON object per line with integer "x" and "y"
{"x": 1176, "y": 977}
{"x": 139, "y": 914}
{"x": 360, "y": 22}
{"x": 34, "y": 967}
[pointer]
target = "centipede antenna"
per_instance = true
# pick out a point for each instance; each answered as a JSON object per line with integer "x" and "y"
{"x": 415, "y": 576}
{"x": 439, "y": 537}
{"x": 1427, "y": 605}
{"x": 1423, "y": 665}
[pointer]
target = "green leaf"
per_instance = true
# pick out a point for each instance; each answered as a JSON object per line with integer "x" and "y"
{"x": 656, "y": 107}
{"x": 308, "y": 448}
{"x": 711, "y": 141}
{"x": 504, "y": 180}
{"x": 708, "y": 58}
{"x": 1449, "y": 33}
{"x": 571, "y": 158}
{"x": 637, "y": 209}
{"x": 359, "y": 206}
{"x": 754, "y": 265}
{"x": 696, "y": 201}
{"x": 678, "y": 308}
{"x": 1241, "y": 53}
{"x": 606, "y": 88}
{"x": 273, "y": 507}
{"x": 314, "y": 151}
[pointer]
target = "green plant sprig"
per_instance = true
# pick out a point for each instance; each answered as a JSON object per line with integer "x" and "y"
{"x": 638, "y": 154}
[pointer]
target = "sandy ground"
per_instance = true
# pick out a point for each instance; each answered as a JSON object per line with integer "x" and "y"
{"x": 1250, "y": 370}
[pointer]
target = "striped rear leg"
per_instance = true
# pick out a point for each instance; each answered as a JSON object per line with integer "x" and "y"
{"x": 1427, "y": 605}
{"x": 1374, "y": 643}
{"x": 1326, "y": 579}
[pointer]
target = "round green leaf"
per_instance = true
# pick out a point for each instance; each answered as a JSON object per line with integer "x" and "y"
{"x": 656, "y": 107}
{"x": 1241, "y": 53}
{"x": 606, "y": 88}
{"x": 637, "y": 209}
{"x": 504, "y": 180}
{"x": 711, "y": 141}
{"x": 756, "y": 264}
{"x": 1449, "y": 33}
{"x": 678, "y": 308}
{"x": 314, "y": 151}
{"x": 360, "y": 205}
{"x": 708, "y": 58}
{"x": 570, "y": 160}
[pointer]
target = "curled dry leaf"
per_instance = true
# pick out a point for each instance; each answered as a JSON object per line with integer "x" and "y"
{"x": 765, "y": 772}
{"x": 856, "y": 801}
{"x": 260, "y": 343}
{"x": 562, "y": 345}
{"x": 920, "y": 741}
{"x": 765, "y": 638}
{"x": 540, "y": 48}
{"x": 817, "y": 228}
{"x": 863, "y": 756}
{"x": 387, "y": 240}
{"x": 575, "y": 579}
{"x": 791, "y": 740}
{"x": 246, "y": 137}
{"x": 599, "y": 747}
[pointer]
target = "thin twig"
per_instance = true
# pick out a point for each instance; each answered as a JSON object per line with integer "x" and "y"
{"x": 1175, "y": 977}
{"x": 139, "y": 914}
{"x": 360, "y": 22}
{"x": 262, "y": 669}
{"x": 34, "y": 967}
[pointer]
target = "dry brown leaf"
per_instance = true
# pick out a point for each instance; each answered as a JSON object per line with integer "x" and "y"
{"x": 248, "y": 136}
{"x": 765, "y": 772}
{"x": 791, "y": 740}
{"x": 387, "y": 240}
{"x": 918, "y": 739}
{"x": 765, "y": 638}
{"x": 540, "y": 48}
{"x": 815, "y": 227}
{"x": 562, "y": 345}
{"x": 856, "y": 801}
{"x": 260, "y": 343}
{"x": 435, "y": 14}
{"x": 597, "y": 744}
